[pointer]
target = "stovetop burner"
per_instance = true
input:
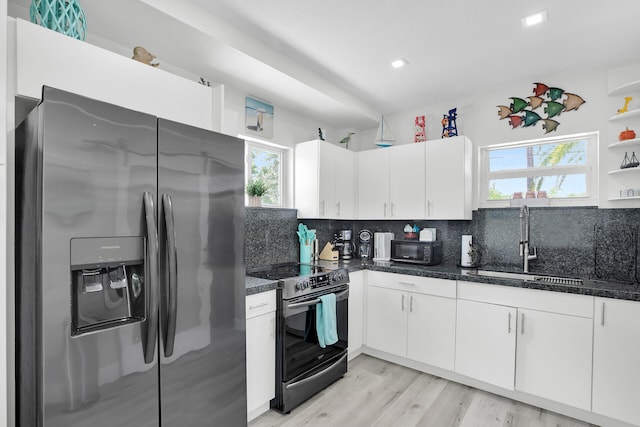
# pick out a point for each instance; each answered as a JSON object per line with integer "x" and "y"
{"x": 288, "y": 270}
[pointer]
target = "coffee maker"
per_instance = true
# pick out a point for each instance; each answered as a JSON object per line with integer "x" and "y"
{"x": 344, "y": 244}
{"x": 364, "y": 244}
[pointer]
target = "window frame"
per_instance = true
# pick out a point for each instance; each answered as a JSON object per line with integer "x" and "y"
{"x": 590, "y": 169}
{"x": 283, "y": 152}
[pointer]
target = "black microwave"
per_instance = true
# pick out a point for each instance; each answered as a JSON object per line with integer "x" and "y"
{"x": 417, "y": 251}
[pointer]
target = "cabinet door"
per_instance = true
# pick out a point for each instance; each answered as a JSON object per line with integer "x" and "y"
{"x": 616, "y": 352}
{"x": 356, "y": 311}
{"x": 261, "y": 360}
{"x": 407, "y": 181}
{"x": 448, "y": 178}
{"x": 553, "y": 359}
{"x": 486, "y": 342}
{"x": 387, "y": 320}
{"x": 345, "y": 183}
{"x": 327, "y": 168}
{"x": 373, "y": 184}
{"x": 431, "y": 330}
{"x": 306, "y": 179}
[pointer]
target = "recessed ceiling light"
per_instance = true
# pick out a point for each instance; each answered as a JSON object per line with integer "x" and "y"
{"x": 535, "y": 19}
{"x": 398, "y": 63}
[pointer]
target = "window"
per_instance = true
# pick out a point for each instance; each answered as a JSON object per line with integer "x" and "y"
{"x": 266, "y": 163}
{"x": 563, "y": 169}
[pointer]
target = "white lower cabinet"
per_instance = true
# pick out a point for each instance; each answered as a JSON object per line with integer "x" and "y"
{"x": 356, "y": 312}
{"x": 411, "y": 317}
{"x": 553, "y": 359}
{"x": 261, "y": 351}
{"x": 486, "y": 342}
{"x": 431, "y": 330}
{"x": 616, "y": 354}
{"x": 544, "y": 338}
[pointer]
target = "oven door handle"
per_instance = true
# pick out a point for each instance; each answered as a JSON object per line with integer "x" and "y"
{"x": 339, "y": 297}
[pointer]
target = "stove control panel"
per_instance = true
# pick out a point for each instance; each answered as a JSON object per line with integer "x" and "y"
{"x": 312, "y": 282}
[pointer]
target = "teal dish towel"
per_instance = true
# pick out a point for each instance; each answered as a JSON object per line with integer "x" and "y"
{"x": 326, "y": 320}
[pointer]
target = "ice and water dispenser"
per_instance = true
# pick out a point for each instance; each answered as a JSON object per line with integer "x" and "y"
{"x": 108, "y": 287}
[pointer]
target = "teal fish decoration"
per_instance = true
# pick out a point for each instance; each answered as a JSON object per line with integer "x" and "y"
{"x": 504, "y": 111}
{"x": 549, "y": 125}
{"x": 553, "y": 109}
{"x": 555, "y": 93}
{"x": 531, "y": 118}
{"x": 518, "y": 105}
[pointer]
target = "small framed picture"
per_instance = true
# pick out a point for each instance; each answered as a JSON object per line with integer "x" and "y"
{"x": 258, "y": 118}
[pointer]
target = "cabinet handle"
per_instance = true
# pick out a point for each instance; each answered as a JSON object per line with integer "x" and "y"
{"x": 385, "y": 210}
{"x": 411, "y": 304}
{"x": 253, "y": 307}
{"x": 428, "y": 207}
{"x": 392, "y": 210}
{"x": 406, "y": 283}
{"x": 402, "y": 302}
{"x": 338, "y": 205}
{"x": 322, "y": 208}
{"x": 273, "y": 328}
{"x": 602, "y": 316}
{"x": 509, "y": 324}
{"x": 522, "y": 325}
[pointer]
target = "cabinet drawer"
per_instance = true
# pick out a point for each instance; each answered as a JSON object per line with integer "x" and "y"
{"x": 554, "y": 302}
{"x": 261, "y": 303}
{"x": 416, "y": 284}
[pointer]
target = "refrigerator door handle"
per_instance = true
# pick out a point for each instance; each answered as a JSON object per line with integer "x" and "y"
{"x": 149, "y": 343}
{"x": 172, "y": 292}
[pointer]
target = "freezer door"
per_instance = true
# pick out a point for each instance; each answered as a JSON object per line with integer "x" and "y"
{"x": 83, "y": 168}
{"x": 201, "y": 185}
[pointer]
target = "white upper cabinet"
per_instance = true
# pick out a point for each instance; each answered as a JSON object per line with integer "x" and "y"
{"x": 325, "y": 181}
{"x": 45, "y": 57}
{"x": 429, "y": 180}
{"x": 391, "y": 182}
{"x": 406, "y": 181}
{"x": 448, "y": 178}
{"x": 373, "y": 184}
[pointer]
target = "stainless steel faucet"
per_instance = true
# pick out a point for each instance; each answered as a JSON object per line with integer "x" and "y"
{"x": 525, "y": 252}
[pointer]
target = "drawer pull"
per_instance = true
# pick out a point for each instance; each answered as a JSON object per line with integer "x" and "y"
{"x": 253, "y": 307}
{"x": 407, "y": 283}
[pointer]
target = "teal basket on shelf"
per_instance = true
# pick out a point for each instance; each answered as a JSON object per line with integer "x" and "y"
{"x": 63, "y": 16}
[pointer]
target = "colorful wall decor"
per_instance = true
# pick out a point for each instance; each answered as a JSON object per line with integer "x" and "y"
{"x": 420, "y": 129}
{"x": 520, "y": 111}
{"x": 449, "y": 127}
{"x": 258, "y": 118}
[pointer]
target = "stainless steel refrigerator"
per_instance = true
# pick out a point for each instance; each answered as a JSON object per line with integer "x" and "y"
{"x": 129, "y": 269}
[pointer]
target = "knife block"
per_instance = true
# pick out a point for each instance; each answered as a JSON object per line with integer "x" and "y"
{"x": 328, "y": 254}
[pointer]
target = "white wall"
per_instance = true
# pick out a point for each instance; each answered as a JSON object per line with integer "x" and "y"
{"x": 478, "y": 119}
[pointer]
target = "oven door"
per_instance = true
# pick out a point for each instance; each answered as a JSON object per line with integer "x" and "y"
{"x": 301, "y": 350}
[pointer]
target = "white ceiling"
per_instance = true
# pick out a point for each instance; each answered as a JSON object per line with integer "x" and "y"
{"x": 330, "y": 59}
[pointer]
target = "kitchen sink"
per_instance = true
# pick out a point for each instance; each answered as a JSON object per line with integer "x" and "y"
{"x": 552, "y": 280}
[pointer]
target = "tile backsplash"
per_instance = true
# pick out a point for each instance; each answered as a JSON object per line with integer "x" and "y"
{"x": 584, "y": 242}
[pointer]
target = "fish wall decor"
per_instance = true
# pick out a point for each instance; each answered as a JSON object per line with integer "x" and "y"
{"x": 520, "y": 111}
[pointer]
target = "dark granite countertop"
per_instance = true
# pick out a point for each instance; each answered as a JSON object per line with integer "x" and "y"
{"x": 256, "y": 285}
{"x": 599, "y": 288}
{"x": 592, "y": 287}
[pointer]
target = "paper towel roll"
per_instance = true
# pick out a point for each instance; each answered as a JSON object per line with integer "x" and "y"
{"x": 465, "y": 258}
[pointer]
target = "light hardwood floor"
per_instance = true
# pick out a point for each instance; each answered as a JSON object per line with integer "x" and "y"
{"x": 379, "y": 393}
